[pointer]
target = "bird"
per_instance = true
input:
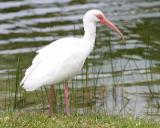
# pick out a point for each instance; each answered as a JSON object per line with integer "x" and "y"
{"x": 64, "y": 58}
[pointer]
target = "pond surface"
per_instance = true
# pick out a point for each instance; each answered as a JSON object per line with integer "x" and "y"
{"x": 130, "y": 72}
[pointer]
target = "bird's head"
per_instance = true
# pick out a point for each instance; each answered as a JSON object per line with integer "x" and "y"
{"x": 97, "y": 16}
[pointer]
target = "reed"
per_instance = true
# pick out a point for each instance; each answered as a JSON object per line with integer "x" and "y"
{"x": 85, "y": 92}
{"x": 16, "y": 85}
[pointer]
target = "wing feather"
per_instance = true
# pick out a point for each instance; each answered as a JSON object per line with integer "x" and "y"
{"x": 47, "y": 67}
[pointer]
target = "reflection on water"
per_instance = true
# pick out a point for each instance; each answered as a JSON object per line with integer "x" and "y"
{"x": 130, "y": 71}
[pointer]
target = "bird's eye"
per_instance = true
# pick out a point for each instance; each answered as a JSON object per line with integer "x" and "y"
{"x": 99, "y": 16}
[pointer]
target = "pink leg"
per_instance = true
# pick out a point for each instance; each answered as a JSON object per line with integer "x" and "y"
{"x": 66, "y": 98}
{"x": 52, "y": 101}
{"x": 50, "y": 110}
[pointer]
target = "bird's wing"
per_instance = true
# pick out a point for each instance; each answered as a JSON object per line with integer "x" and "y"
{"x": 48, "y": 61}
{"x": 41, "y": 54}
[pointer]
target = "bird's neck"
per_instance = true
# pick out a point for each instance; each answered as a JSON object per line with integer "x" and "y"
{"x": 90, "y": 33}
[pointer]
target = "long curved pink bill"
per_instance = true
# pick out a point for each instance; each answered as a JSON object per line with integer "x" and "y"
{"x": 113, "y": 27}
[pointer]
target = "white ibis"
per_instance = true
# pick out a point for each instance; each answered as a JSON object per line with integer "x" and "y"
{"x": 64, "y": 58}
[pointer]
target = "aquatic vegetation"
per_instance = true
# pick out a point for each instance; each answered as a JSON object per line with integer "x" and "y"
{"x": 117, "y": 78}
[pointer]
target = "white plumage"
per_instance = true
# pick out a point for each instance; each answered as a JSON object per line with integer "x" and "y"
{"x": 65, "y": 57}
{"x": 56, "y": 62}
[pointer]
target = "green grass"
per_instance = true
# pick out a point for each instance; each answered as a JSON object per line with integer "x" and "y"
{"x": 39, "y": 120}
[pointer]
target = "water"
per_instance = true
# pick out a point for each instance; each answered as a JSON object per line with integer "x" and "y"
{"x": 130, "y": 71}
